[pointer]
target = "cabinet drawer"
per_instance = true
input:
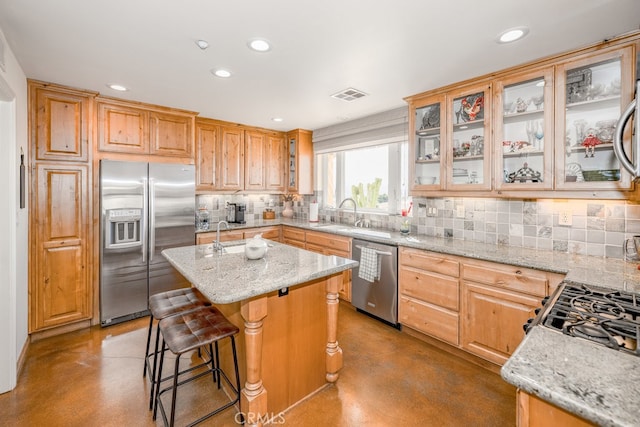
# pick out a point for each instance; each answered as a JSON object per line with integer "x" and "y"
{"x": 329, "y": 241}
{"x": 293, "y": 234}
{"x": 430, "y": 261}
{"x": 433, "y": 288}
{"x": 271, "y": 233}
{"x": 509, "y": 277}
{"x": 430, "y": 319}
{"x": 296, "y": 243}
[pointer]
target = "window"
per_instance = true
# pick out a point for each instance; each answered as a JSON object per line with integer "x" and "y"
{"x": 375, "y": 176}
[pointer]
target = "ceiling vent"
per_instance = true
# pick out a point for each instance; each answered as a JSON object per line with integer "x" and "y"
{"x": 349, "y": 94}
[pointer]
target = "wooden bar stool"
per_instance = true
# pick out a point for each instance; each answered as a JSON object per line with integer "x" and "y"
{"x": 189, "y": 331}
{"x": 163, "y": 305}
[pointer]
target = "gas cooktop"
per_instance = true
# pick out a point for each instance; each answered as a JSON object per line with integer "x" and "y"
{"x": 604, "y": 316}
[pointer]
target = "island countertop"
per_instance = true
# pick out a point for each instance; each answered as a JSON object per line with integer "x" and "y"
{"x": 229, "y": 276}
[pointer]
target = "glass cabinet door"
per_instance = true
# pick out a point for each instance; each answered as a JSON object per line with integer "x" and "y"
{"x": 524, "y": 131}
{"x": 429, "y": 121}
{"x": 590, "y": 95}
{"x": 469, "y": 115}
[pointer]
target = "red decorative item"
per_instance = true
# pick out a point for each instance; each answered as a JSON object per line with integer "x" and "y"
{"x": 472, "y": 110}
{"x": 589, "y": 143}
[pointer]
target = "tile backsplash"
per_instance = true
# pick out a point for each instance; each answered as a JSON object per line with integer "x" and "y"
{"x": 598, "y": 228}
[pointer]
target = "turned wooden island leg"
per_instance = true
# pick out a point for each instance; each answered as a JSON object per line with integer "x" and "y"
{"x": 334, "y": 352}
{"x": 253, "y": 402}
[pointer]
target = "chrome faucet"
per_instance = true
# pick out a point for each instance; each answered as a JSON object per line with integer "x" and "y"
{"x": 356, "y": 221}
{"x": 216, "y": 245}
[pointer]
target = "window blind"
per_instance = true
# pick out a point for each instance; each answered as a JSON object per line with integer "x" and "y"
{"x": 381, "y": 128}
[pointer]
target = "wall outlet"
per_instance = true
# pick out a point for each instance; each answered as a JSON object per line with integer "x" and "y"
{"x": 565, "y": 218}
{"x": 460, "y": 211}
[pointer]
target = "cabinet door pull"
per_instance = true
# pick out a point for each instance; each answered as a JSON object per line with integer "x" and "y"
{"x": 518, "y": 272}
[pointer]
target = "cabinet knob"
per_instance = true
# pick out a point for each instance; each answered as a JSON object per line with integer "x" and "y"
{"x": 518, "y": 272}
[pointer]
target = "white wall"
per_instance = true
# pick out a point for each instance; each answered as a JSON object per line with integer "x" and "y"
{"x": 13, "y": 220}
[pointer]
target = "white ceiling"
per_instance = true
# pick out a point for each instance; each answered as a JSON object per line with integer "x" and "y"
{"x": 388, "y": 49}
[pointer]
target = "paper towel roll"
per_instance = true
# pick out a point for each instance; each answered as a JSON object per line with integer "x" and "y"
{"x": 313, "y": 212}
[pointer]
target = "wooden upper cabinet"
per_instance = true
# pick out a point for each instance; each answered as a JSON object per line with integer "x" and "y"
{"x": 299, "y": 161}
{"x": 254, "y": 165}
{"x": 275, "y": 172}
{"x": 207, "y": 146}
{"x": 60, "y": 117}
{"x": 136, "y": 128}
{"x": 231, "y": 162}
{"x": 171, "y": 134}
{"x": 122, "y": 128}
{"x": 264, "y": 161}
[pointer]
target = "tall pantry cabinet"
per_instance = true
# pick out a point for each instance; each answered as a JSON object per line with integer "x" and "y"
{"x": 60, "y": 231}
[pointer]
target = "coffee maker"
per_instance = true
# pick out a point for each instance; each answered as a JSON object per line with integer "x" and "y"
{"x": 235, "y": 213}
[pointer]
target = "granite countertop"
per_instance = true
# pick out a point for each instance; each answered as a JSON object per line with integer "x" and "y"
{"x": 229, "y": 276}
{"x": 593, "y": 381}
{"x": 597, "y": 271}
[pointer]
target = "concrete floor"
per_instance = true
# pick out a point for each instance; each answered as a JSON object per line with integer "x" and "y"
{"x": 94, "y": 378}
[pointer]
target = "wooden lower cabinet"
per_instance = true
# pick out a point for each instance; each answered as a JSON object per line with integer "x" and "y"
{"x": 293, "y": 236}
{"x": 478, "y": 306}
{"x": 429, "y": 300}
{"x": 330, "y": 244}
{"x": 60, "y": 288}
{"x": 535, "y": 412}
{"x": 497, "y": 300}
{"x": 323, "y": 243}
{"x": 493, "y": 319}
{"x": 271, "y": 233}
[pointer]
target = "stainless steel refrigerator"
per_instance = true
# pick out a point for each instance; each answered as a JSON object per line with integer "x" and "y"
{"x": 145, "y": 208}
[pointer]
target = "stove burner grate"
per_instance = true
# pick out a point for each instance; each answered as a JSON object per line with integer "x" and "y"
{"x": 610, "y": 318}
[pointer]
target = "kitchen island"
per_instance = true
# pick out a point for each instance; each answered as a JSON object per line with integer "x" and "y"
{"x": 286, "y": 306}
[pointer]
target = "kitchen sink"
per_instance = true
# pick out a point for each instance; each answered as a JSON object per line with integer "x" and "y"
{"x": 236, "y": 249}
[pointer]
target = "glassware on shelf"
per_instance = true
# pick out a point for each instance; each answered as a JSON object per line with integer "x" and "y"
{"x": 539, "y": 134}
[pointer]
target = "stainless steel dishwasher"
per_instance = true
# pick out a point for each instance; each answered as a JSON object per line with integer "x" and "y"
{"x": 380, "y": 297}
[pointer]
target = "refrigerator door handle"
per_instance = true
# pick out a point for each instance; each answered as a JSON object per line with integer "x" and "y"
{"x": 152, "y": 218}
{"x": 144, "y": 219}
{"x": 633, "y": 167}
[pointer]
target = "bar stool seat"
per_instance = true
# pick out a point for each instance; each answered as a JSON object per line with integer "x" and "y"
{"x": 162, "y": 305}
{"x": 189, "y": 331}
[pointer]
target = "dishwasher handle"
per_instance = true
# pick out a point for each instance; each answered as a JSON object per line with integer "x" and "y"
{"x": 377, "y": 251}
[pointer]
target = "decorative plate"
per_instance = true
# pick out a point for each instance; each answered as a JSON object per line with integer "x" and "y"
{"x": 574, "y": 169}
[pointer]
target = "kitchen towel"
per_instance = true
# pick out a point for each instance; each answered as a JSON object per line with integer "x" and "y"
{"x": 369, "y": 269}
{"x": 313, "y": 212}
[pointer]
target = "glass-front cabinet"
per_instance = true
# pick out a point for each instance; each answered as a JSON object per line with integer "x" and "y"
{"x": 429, "y": 125}
{"x": 544, "y": 129}
{"x": 523, "y": 131}
{"x": 469, "y": 112}
{"x": 590, "y": 96}
{"x": 449, "y": 144}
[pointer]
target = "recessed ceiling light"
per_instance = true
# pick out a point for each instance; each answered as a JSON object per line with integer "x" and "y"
{"x": 277, "y": 119}
{"x": 202, "y": 44}
{"x": 512, "y": 34}
{"x": 117, "y": 87}
{"x": 221, "y": 72}
{"x": 259, "y": 45}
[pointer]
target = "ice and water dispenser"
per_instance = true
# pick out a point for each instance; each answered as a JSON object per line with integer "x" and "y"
{"x": 123, "y": 228}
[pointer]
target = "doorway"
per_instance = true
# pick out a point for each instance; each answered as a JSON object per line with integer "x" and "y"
{"x": 8, "y": 283}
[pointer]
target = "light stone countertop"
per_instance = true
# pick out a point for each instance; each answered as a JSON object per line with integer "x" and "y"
{"x": 590, "y": 270}
{"x": 593, "y": 381}
{"x": 230, "y": 277}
